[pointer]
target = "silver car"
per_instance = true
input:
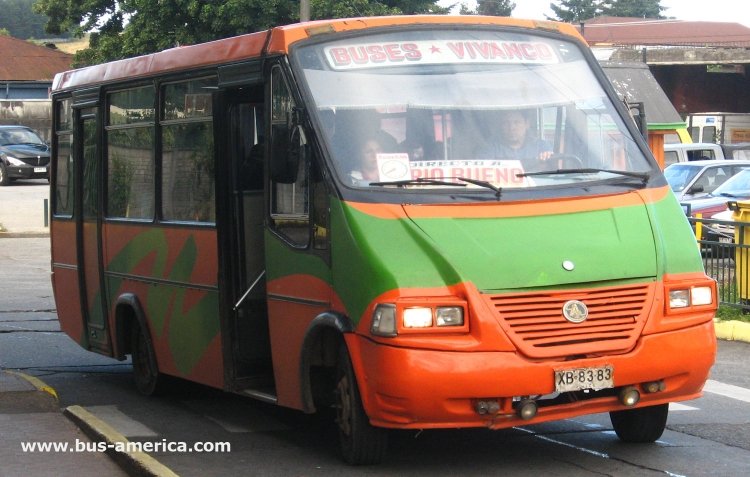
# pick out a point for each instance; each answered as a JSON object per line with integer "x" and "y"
{"x": 694, "y": 179}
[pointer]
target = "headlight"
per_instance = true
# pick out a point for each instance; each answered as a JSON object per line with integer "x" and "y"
{"x": 15, "y": 161}
{"x": 701, "y": 296}
{"x": 449, "y": 316}
{"x": 417, "y": 316}
{"x": 679, "y": 298}
{"x": 694, "y": 296}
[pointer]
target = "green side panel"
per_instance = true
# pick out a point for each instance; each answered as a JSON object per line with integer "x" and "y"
{"x": 674, "y": 237}
{"x": 283, "y": 260}
{"x": 190, "y": 330}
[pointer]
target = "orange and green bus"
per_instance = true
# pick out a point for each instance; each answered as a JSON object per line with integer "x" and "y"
{"x": 211, "y": 220}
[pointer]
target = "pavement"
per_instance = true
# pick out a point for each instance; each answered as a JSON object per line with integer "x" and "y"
{"x": 24, "y": 216}
{"x": 30, "y": 413}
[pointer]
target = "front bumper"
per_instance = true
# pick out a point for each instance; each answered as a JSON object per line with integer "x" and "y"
{"x": 419, "y": 389}
{"x": 28, "y": 172}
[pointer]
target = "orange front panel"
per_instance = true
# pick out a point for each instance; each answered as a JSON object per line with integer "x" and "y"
{"x": 409, "y": 388}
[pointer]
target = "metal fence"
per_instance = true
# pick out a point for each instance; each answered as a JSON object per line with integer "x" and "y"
{"x": 725, "y": 248}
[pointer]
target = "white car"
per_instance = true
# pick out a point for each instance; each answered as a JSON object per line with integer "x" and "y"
{"x": 694, "y": 179}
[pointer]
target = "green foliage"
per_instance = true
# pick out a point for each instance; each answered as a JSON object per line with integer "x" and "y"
{"x": 575, "y": 11}
{"x": 153, "y": 26}
{"x": 633, "y": 8}
{"x": 19, "y": 20}
{"x": 498, "y": 8}
{"x": 729, "y": 313}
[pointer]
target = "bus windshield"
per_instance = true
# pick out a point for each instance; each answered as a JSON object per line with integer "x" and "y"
{"x": 427, "y": 109}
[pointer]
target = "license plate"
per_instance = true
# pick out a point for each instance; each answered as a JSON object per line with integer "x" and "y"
{"x": 725, "y": 240}
{"x": 584, "y": 378}
{"x": 40, "y": 169}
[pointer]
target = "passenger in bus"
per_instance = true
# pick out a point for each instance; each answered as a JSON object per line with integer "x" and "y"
{"x": 366, "y": 170}
{"x": 515, "y": 142}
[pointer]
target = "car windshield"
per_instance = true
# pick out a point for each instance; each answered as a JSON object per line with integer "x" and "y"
{"x": 680, "y": 175}
{"x": 450, "y": 105}
{"x": 738, "y": 186}
{"x": 19, "y": 136}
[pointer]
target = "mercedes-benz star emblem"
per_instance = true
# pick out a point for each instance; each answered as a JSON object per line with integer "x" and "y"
{"x": 575, "y": 311}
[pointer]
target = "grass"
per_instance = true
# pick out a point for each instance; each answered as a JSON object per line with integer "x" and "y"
{"x": 728, "y": 313}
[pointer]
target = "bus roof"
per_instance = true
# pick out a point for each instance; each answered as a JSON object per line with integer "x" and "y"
{"x": 274, "y": 41}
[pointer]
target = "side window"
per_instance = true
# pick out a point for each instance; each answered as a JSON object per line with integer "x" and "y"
{"x": 130, "y": 153}
{"x": 710, "y": 134}
{"x": 64, "y": 177}
{"x": 187, "y": 167}
{"x": 290, "y": 196}
{"x": 90, "y": 164}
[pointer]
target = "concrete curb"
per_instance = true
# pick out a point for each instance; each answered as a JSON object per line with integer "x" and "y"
{"x": 732, "y": 330}
{"x": 36, "y": 382}
{"x": 22, "y": 393}
{"x": 135, "y": 463}
{"x": 5, "y": 234}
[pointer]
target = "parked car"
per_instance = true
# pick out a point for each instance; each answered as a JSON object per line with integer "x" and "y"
{"x": 735, "y": 188}
{"x": 690, "y": 180}
{"x": 23, "y": 154}
{"x": 674, "y": 153}
{"x": 739, "y": 150}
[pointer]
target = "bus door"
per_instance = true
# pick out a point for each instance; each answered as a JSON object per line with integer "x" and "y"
{"x": 89, "y": 230}
{"x": 248, "y": 343}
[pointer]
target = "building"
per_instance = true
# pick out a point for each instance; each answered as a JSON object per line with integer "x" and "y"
{"x": 701, "y": 66}
{"x": 26, "y": 73}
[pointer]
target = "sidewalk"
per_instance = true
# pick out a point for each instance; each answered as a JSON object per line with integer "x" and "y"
{"x": 30, "y": 414}
{"x": 23, "y": 213}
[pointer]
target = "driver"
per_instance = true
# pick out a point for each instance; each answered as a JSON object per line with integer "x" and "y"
{"x": 515, "y": 142}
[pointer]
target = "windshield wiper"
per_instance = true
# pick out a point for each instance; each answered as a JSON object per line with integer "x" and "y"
{"x": 417, "y": 181}
{"x": 643, "y": 176}
{"x": 424, "y": 181}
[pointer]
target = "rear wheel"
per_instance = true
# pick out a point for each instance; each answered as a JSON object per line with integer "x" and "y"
{"x": 145, "y": 369}
{"x": 361, "y": 443}
{"x": 644, "y": 424}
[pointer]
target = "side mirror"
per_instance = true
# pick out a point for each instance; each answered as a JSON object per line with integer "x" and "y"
{"x": 289, "y": 150}
{"x": 696, "y": 188}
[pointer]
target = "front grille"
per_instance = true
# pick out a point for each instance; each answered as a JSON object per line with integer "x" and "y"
{"x": 536, "y": 325}
{"x": 35, "y": 161}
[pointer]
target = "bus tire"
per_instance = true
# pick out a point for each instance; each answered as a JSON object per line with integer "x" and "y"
{"x": 145, "y": 369}
{"x": 361, "y": 443}
{"x": 645, "y": 424}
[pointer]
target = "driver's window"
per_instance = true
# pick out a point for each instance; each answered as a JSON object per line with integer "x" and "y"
{"x": 289, "y": 201}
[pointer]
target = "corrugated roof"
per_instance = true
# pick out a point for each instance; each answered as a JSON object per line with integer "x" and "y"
{"x": 637, "y": 31}
{"x": 635, "y": 83}
{"x": 24, "y": 61}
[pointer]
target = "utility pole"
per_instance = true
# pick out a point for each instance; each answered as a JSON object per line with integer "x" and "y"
{"x": 304, "y": 10}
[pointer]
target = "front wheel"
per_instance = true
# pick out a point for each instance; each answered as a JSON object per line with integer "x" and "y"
{"x": 361, "y": 443}
{"x": 644, "y": 424}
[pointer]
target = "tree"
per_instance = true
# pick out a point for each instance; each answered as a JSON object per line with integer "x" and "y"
{"x": 498, "y": 8}
{"x": 633, "y": 8}
{"x": 153, "y": 26}
{"x": 574, "y": 11}
{"x": 19, "y": 19}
